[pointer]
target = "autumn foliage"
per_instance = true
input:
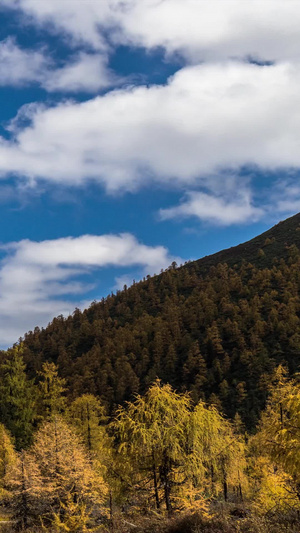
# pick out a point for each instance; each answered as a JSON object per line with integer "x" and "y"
{"x": 160, "y": 453}
{"x": 172, "y": 406}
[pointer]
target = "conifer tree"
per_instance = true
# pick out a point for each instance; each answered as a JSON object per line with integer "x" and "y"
{"x": 220, "y": 453}
{"x": 8, "y": 458}
{"x": 87, "y": 414}
{"x": 27, "y": 496}
{"x": 279, "y": 434}
{"x": 55, "y": 479}
{"x": 52, "y": 388}
{"x": 18, "y": 398}
{"x": 151, "y": 433}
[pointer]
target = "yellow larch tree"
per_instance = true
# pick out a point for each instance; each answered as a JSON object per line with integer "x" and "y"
{"x": 58, "y": 470}
{"x": 278, "y": 440}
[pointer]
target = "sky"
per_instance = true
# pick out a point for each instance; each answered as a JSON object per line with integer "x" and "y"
{"x": 135, "y": 133}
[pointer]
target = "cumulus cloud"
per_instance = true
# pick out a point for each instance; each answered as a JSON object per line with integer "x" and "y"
{"x": 205, "y": 119}
{"x": 80, "y": 20}
{"x": 215, "y": 209}
{"x": 210, "y": 29}
{"x": 214, "y": 29}
{"x": 82, "y": 72}
{"x": 86, "y": 72}
{"x": 209, "y": 118}
{"x": 37, "y": 279}
{"x": 17, "y": 66}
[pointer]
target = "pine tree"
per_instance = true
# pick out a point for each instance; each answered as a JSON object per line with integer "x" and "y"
{"x": 18, "y": 398}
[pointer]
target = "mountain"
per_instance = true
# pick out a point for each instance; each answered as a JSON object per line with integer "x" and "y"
{"x": 283, "y": 235}
{"x": 216, "y": 327}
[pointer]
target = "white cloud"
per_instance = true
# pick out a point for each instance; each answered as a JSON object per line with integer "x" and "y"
{"x": 79, "y": 19}
{"x": 17, "y": 66}
{"x": 37, "y": 278}
{"x": 82, "y": 72}
{"x": 284, "y": 198}
{"x": 215, "y": 209}
{"x": 214, "y": 29}
{"x": 207, "y": 118}
{"x": 203, "y": 29}
{"x": 87, "y": 72}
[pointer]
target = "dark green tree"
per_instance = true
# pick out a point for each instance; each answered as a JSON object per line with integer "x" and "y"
{"x": 18, "y": 398}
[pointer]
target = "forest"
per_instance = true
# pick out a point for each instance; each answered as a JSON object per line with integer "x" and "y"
{"x": 162, "y": 462}
{"x": 171, "y": 406}
{"x": 217, "y": 329}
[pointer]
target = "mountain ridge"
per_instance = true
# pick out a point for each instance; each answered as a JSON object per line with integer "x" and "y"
{"x": 282, "y": 232}
{"x": 217, "y": 326}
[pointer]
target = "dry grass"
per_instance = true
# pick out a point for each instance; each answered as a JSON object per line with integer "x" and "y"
{"x": 195, "y": 523}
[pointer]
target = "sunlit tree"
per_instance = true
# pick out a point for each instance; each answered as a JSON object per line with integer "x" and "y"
{"x": 87, "y": 414}
{"x": 55, "y": 480}
{"x": 52, "y": 388}
{"x": 279, "y": 431}
{"x": 8, "y": 459}
{"x": 152, "y": 433}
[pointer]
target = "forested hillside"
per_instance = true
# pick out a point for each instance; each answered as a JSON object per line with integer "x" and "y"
{"x": 179, "y": 456}
{"x": 216, "y": 327}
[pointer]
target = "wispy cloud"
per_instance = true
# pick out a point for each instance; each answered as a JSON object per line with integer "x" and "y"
{"x": 18, "y": 66}
{"x": 83, "y": 71}
{"x": 39, "y": 280}
{"x": 284, "y": 198}
{"x": 215, "y": 209}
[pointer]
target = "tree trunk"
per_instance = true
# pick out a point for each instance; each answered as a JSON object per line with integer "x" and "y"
{"x": 212, "y": 477}
{"x": 241, "y": 493}
{"x": 155, "y": 484}
{"x": 89, "y": 430}
{"x": 111, "y": 515}
{"x": 225, "y": 490}
{"x": 167, "y": 497}
{"x": 24, "y": 502}
{"x": 166, "y": 481}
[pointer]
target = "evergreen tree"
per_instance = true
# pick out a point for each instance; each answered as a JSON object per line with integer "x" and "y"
{"x": 52, "y": 388}
{"x": 18, "y": 398}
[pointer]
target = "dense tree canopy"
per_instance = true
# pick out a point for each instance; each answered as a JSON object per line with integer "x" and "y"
{"x": 140, "y": 404}
{"x": 217, "y": 329}
{"x": 160, "y": 453}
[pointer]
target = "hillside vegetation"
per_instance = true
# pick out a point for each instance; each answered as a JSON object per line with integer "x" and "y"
{"x": 172, "y": 406}
{"x": 161, "y": 464}
{"x": 216, "y": 327}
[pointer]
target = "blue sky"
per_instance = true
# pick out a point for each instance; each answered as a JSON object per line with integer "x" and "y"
{"x": 135, "y": 133}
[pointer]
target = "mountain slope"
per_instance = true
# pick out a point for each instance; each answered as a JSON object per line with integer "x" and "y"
{"x": 217, "y": 327}
{"x": 284, "y": 234}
